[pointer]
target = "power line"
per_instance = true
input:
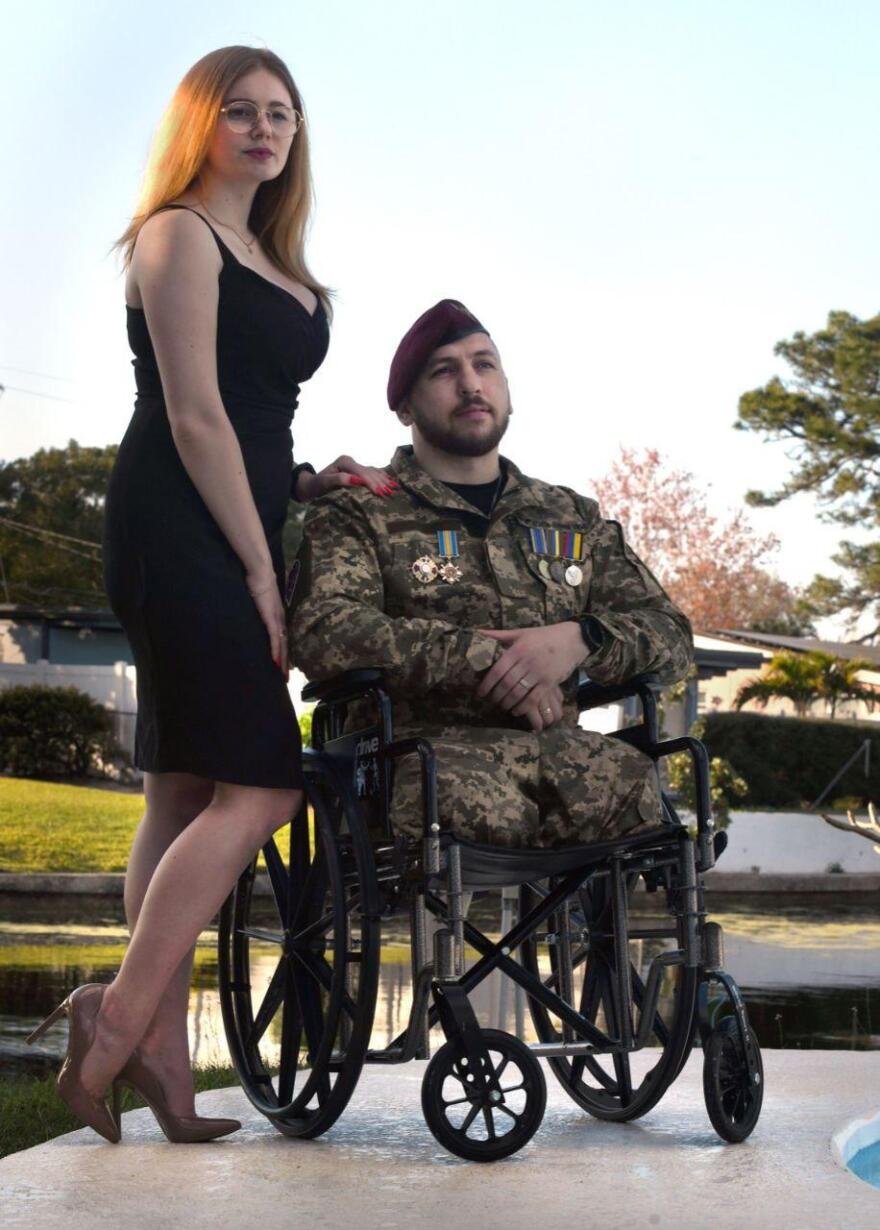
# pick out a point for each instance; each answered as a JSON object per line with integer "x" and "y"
{"x": 84, "y": 542}
{"x": 26, "y": 371}
{"x": 16, "y": 388}
{"x": 42, "y": 536}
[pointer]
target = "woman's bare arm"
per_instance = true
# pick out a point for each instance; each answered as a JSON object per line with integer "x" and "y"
{"x": 176, "y": 267}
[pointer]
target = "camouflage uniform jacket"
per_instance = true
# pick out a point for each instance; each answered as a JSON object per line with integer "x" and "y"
{"x": 357, "y": 602}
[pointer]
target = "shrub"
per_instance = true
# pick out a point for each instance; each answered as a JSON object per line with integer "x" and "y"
{"x": 789, "y": 761}
{"x": 726, "y": 786}
{"x": 54, "y": 732}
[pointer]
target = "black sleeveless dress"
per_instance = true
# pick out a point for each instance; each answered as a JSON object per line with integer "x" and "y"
{"x": 210, "y": 699}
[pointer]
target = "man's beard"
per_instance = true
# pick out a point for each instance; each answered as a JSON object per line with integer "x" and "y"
{"x": 447, "y": 440}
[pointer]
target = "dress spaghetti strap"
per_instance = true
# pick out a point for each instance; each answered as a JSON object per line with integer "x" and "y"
{"x": 224, "y": 250}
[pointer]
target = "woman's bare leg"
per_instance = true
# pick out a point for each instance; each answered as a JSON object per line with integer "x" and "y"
{"x": 190, "y": 883}
{"x": 173, "y": 801}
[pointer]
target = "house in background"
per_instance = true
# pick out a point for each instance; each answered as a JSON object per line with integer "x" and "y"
{"x": 88, "y": 650}
{"x": 71, "y": 648}
{"x": 716, "y": 693}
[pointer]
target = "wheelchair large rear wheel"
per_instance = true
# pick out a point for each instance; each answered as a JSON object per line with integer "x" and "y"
{"x": 608, "y": 1086}
{"x": 298, "y": 971}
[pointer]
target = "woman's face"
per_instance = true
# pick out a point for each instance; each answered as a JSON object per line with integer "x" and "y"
{"x": 261, "y": 152}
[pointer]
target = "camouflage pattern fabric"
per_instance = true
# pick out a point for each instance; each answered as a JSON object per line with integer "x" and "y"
{"x": 559, "y": 787}
{"x": 358, "y": 604}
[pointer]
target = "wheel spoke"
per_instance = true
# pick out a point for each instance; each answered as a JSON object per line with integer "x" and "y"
{"x": 307, "y": 893}
{"x": 256, "y": 933}
{"x": 315, "y": 929}
{"x": 469, "y": 1118}
{"x": 504, "y": 1062}
{"x": 454, "y": 1101}
{"x": 271, "y": 1001}
{"x": 322, "y": 972}
{"x": 490, "y": 1122}
{"x": 277, "y": 878}
{"x": 291, "y": 1033}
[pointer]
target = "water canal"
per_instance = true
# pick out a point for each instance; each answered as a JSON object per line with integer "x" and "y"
{"x": 810, "y": 973}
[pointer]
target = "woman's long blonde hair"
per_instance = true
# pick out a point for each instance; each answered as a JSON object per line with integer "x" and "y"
{"x": 280, "y": 213}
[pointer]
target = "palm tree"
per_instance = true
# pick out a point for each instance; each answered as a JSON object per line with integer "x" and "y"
{"x": 837, "y": 679}
{"x": 804, "y": 678}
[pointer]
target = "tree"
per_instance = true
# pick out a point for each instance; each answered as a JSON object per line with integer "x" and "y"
{"x": 51, "y": 520}
{"x": 715, "y": 569}
{"x": 830, "y": 415}
{"x": 804, "y": 678}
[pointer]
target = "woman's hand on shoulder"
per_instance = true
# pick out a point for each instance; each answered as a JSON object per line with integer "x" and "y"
{"x": 344, "y": 472}
{"x": 177, "y": 266}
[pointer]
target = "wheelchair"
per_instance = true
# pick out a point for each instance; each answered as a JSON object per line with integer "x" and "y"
{"x": 610, "y": 1037}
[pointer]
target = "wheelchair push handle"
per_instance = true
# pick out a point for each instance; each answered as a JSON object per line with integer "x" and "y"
{"x": 592, "y": 695}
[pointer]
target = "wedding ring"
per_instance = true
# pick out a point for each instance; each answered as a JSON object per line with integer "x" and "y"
{"x": 524, "y": 683}
{"x": 548, "y": 710}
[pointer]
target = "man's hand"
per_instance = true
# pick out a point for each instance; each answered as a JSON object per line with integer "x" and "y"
{"x": 542, "y": 707}
{"x": 535, "y": 661}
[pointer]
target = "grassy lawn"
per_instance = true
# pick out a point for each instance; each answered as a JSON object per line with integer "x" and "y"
{"x": 49, "y": 826}
{"x": 46, "y": 826}
{"x": 31, "y": 1111}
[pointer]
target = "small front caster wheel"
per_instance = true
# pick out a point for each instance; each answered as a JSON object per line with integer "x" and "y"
{"x": 484, "y": 1126}
{"x": 733, "y": 1097}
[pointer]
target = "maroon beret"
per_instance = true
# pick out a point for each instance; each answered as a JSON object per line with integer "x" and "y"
{"x": 447, "y": 321}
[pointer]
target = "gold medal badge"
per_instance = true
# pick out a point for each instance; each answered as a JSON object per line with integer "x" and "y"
{"x": 425, "y": 570}
{"x": 447, "y": 549}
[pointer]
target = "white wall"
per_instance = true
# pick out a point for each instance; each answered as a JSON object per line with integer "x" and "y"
{"x": 780, "y": 842}
{"x": 114, "y": 687}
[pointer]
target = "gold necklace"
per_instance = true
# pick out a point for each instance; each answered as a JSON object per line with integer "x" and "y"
{"x": 229, "y": 226}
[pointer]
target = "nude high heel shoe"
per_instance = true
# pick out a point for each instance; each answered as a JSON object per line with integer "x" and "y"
{"x": 81, "y": 1006}
{"x": 180, "y": 1129}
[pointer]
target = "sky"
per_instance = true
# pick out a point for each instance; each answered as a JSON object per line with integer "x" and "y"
{"x": 638, "y": 199}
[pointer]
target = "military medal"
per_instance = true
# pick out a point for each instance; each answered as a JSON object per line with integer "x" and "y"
{"x": 563, "y": 547}
{"x": 447, "y": 549}
{"x": 425, "y": 570}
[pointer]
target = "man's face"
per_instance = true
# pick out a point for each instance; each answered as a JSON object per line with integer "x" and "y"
{"x": 460, "y": 403}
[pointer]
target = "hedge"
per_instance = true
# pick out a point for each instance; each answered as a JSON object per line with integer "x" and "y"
{"x": 54, "y": 733}
{"x": 788, "y": 761}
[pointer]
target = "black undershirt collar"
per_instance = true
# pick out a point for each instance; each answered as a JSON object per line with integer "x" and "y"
{"x": 483, "y": 496}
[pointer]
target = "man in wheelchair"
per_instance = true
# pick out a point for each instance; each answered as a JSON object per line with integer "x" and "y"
{"x": 481, "y": 594}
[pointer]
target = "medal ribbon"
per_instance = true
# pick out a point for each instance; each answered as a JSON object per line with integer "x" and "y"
{"x": 565, "y": 544}
{"x": 447, "y": 544}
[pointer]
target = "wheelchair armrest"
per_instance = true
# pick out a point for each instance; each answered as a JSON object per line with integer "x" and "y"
{"x": 346, "y": 686}
{"x": 590, "y": 695}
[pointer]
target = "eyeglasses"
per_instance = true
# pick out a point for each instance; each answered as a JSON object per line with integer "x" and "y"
{"x": 242, "y": 116}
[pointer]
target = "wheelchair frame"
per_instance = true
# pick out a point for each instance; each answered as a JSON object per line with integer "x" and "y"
{"x": 580, "y": 894}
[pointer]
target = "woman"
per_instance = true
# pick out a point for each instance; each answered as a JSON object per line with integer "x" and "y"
{"x": 225, "y": 320}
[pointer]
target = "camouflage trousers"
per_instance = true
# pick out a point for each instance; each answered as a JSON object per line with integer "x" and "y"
{"x": 559, "y": 787}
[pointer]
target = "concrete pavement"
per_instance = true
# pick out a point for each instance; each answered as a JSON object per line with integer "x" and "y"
{"x": 380, "y": 1167}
